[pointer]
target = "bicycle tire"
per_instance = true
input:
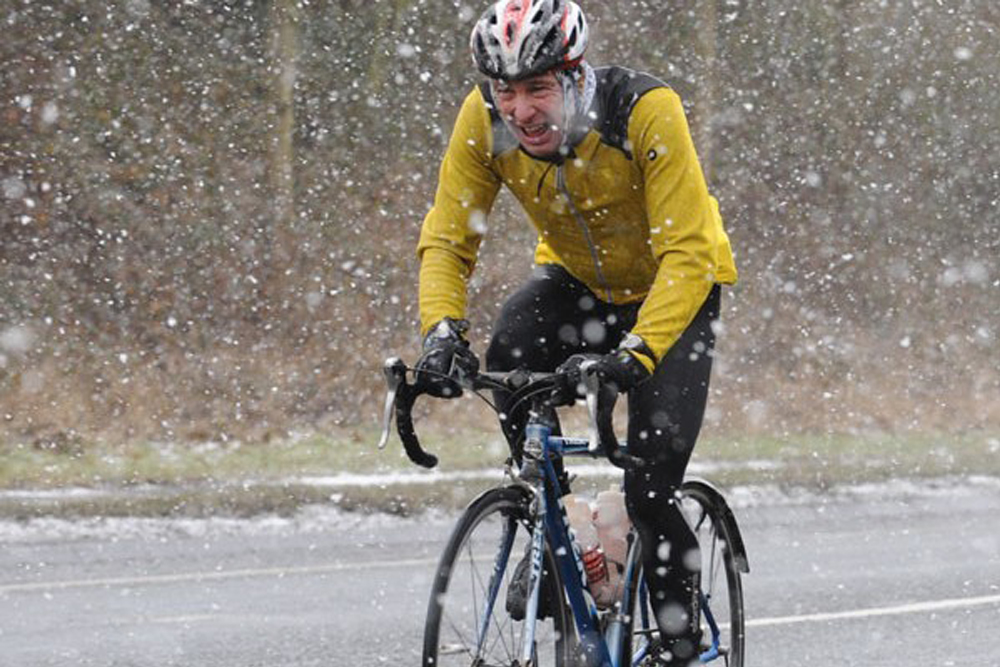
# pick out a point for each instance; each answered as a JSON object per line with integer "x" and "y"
{"x": 717, "y": 536}
{"x": 461, "y": 586}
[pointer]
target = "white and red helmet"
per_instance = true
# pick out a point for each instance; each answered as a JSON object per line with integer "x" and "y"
{"x": 516, "y": 39}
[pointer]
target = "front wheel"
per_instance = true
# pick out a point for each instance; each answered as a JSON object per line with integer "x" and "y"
{"x": 722, "y": 561}
{"x": 467, "y": 619}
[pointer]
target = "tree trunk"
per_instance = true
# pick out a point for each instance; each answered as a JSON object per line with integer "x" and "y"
{"x": 706, "y": 26}
{"x": 284, "y": 47}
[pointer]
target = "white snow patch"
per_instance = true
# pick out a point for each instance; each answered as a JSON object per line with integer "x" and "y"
{"x": 586, "y": 470}
{"x": 895, "y": 490}
{"x": 309, "y": 519}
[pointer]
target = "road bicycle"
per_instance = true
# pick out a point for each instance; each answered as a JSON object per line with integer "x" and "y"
{"x": 469, "y": 620}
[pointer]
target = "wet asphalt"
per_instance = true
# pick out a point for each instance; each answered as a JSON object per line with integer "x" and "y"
{"x": 902, "y": 575}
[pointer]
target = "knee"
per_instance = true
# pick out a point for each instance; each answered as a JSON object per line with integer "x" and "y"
{"x": 647, "y": 494}
{"x": 502, "y": 354}
{"x": 516, "y": 344}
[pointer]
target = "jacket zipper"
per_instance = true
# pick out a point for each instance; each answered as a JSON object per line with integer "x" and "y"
{"x": 561, "y": 184}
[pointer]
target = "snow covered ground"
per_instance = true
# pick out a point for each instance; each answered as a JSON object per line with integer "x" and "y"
{"x": 326, "y": 517}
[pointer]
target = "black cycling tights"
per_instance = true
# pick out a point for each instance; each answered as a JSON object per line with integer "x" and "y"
{"x": 552, "y": 316}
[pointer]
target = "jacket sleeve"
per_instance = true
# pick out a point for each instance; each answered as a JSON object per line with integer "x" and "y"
{"x": 685, "y": 228}
{"x": 452, "y": 230}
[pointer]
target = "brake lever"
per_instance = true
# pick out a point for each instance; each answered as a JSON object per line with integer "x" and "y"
{"x": 591, "y": 385}
{"x": 395, "y": 376}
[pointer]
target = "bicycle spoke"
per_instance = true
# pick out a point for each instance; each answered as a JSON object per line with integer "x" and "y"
{"x": 472, "y": 582}
{"x": 712, "y": 571}
{"x": 494, "y": 619}
{"x": 464, "y": 644}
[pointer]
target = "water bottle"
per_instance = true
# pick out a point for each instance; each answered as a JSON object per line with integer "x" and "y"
{"x": 612, "y": 523}
{"x": 581, "y": 520}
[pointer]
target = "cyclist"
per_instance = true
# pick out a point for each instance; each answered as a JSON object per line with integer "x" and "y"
{"x": 630, "y": 256}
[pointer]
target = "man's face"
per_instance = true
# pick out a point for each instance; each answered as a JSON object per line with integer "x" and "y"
{"x": 533, "y": 109}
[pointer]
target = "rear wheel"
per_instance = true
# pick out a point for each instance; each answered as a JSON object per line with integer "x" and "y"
{"x": 722, "y": 614}
{"x": 467, "y": 619}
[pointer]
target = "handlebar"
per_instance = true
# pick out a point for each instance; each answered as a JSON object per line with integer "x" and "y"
{"x": 600, "y": 399}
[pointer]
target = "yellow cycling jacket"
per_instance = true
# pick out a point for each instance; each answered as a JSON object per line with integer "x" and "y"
{"x": 628, "y": 213}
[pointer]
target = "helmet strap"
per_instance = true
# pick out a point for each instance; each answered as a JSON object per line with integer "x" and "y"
{"x": 579, "y": 85}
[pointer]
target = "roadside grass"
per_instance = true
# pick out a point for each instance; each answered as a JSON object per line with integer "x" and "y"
{"x": 242, "y": 479}
{"x": 831, "y": 459}
{"x": 93, "y": 464}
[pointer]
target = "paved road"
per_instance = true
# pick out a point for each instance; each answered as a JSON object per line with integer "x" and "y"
{"x": 896, "y": 575}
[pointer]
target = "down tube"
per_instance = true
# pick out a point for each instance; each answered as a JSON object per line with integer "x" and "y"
{"x": 574, "y": 578}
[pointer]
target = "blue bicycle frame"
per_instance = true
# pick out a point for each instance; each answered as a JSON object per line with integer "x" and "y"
{"x": 599, "y": 649}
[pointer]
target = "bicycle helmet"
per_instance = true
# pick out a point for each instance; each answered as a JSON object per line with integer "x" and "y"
{"x": 517, "y": 39}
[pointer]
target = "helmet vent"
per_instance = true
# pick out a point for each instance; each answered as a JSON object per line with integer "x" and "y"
{"x": 551, "y": 39}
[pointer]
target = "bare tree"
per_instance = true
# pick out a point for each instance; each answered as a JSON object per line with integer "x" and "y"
{"x": 706, "y": 29}
{"x": 284, "y": 50}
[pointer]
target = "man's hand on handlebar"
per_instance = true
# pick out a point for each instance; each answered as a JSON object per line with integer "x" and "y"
{"x": 619, "y": 369}
{"x": 447, "y": 360}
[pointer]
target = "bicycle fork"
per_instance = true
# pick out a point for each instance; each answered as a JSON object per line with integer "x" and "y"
{"x": 535, "y": 587}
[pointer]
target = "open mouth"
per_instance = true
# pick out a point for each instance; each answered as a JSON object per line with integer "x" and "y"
{"x": 539, "y": 134}
{"x": 534, "y": 131}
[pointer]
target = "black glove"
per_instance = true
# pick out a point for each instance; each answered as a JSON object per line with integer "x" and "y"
{"x": 619, "y": 368}
{"x": 446, "y": 360}
{"x": 622, "y": 369}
